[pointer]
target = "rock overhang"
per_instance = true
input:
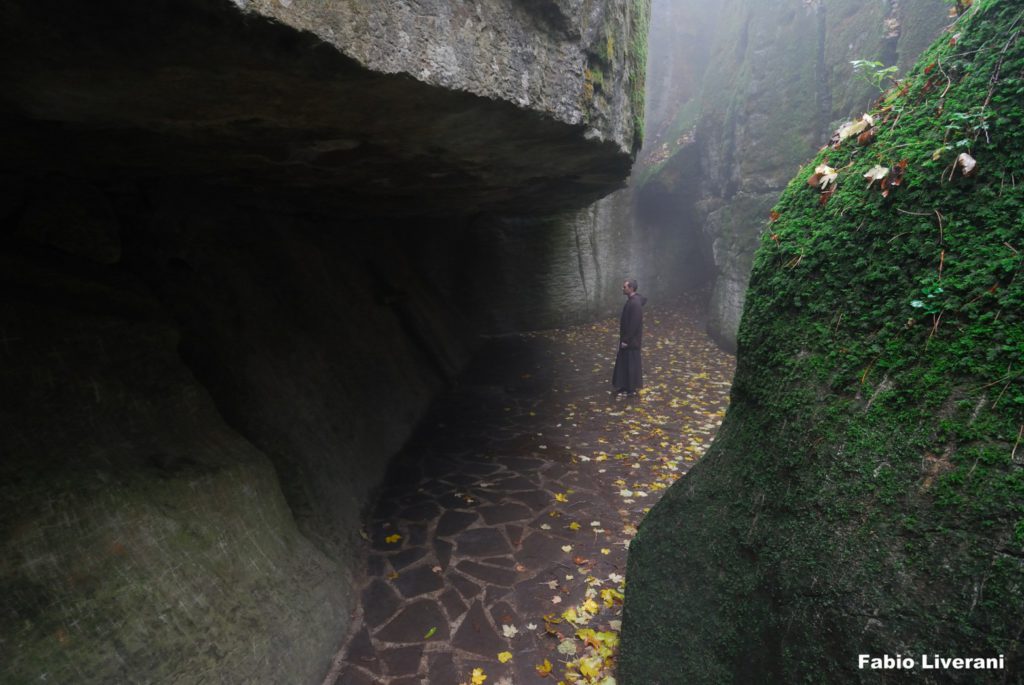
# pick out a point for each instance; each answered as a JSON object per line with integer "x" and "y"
{"x": 221, "y": 94}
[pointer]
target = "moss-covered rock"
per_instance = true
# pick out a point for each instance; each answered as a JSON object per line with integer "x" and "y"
{"x": 866, "y": 493}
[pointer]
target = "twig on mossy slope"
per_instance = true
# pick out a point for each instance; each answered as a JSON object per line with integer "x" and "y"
{"x": 1013, "y": 454}
{"x": 949, "y": 81}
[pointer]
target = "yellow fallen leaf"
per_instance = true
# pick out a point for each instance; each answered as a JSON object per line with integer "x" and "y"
{"x": 392, "y": 538}
{"x": 478, "y": 676}
{"x": 605, "y": 550}
{"x": 544, "y": 669}
{"x": 561, "y": 497}
{"x": 574, "y": 526}
{"x": 590, "y": 666}
{"x": 590, "y": 606}
{"x": 504, "y": 657}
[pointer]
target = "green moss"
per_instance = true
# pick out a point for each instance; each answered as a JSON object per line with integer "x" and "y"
{"x": 640, "y": 19}
{"x": 865, "y": 493}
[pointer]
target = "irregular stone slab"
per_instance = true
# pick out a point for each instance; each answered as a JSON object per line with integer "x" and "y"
{"x": 479, "y": 468}
{"x": 386, "y": 508}
{"x": 418, "y": 581}
{"x": 515, "y": 535}
{"x": 488, "y": 495}
{"x": 453, "y": 604}
{"x": 402, "y": 660}
{"x": 420, "y": 512}
{"x": 443, "y": 550}
{"x": 494, "y": 593}
{"x": 375, "y": 565}
{"x": 355, "y": 676}
{"x": 361, "y": 651}
{"x": 452, "y": 522}
{"x": 524, "y": 666}
{"x": 539, "y": 550}
{"x": 380, "y": 602}
{"x": 524, "y": 465}
{"x": 406, "y": 557}
{"x": 519, "y": 482}
{"x": 503, "y": 513}
{"x": 455, "y": 500}
{"x": 415, "y": 621}
{"x": 417, "y": 534}
{"x": 537, "y": 500}
{"x": 557, "y": 527}
{"x": 556, "y": 470}
{"x": 477, "y": 635}
{"x": 482, "y": 542}
{"x": 442, "y": 668}
{"x": 533, "y": 597}
{"x": 380, "y": 538}
{"x": 504, "y": 614}
{"x": 438, "y": 467}
{"x": 461, "y": 479}
{"x": 488, "y": 574}
{"x": 467, "y": 588}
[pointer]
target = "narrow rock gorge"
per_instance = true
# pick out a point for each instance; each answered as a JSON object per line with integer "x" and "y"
{"x": 750, "y": 93}
{"x": 244, "y": 245}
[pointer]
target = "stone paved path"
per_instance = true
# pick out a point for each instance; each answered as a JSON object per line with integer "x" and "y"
{"x": 517, "y": 502}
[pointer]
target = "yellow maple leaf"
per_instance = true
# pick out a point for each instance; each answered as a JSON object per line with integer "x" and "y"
{"x": 478, "y": 676}
{"x": 392, "y": 538}
{"x": 504, "y": 657}
{"x": 544, "y": 669}
{"x": 574, "y": 526}
{"x": 590, "y": 666}
{"x": 590, "y": 606}
{"x": 561, "y": 497}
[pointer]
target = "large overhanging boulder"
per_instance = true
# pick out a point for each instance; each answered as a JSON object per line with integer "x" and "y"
{"x": 389, "y": 107}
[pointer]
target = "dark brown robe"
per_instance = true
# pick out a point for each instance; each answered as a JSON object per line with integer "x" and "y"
{"x": 628, "y": 375}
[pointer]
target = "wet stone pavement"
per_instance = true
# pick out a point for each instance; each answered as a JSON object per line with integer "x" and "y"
{"x": 498, "y": 548}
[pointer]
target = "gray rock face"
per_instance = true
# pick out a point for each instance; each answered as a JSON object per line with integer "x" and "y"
{"x": 777, "y": 82}
{"x": 534, "y": 54}
{"x": 318, "y": 104}
{"x": 143, "y": 538}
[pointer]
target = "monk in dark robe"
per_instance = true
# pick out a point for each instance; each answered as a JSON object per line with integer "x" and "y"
{"x": 628, "y": 376}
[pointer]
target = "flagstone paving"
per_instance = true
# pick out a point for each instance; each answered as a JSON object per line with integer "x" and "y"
{"x": 517, "y": 501}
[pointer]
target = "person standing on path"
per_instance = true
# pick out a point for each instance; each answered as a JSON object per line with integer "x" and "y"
{"x": 628, "y": 375}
